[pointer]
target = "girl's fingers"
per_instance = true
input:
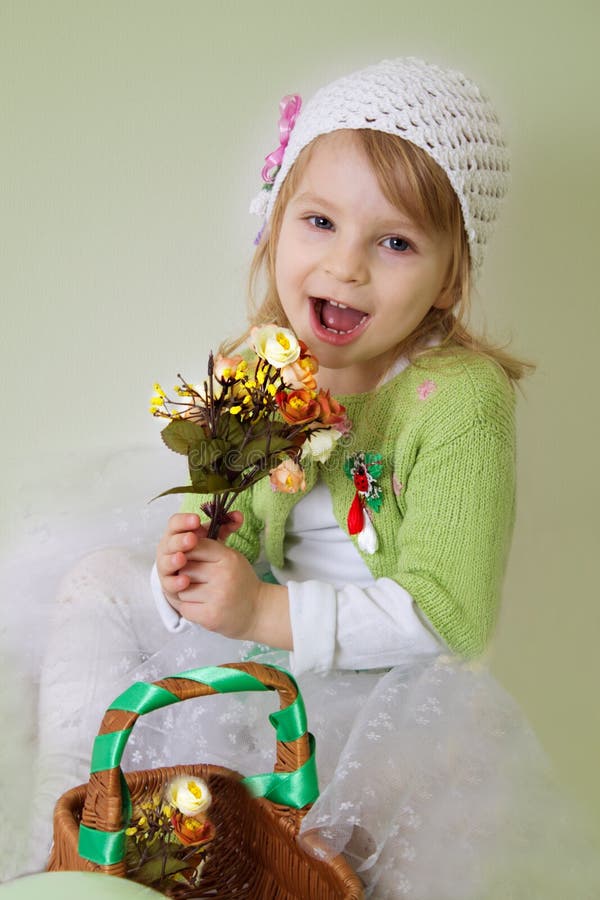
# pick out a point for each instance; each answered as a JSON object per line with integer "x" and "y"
{"x": 236, "y": 519}
{"x": 170, "y": 563}
{"x": 182, "y": 542}
{"x": 172, "y": 584}
{"x": 196, "y": 572}
{"x": 183, "y": 522}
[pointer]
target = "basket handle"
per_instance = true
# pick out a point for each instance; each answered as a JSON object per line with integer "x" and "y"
{"x": 107, "y": 808}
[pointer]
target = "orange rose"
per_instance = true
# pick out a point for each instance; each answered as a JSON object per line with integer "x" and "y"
{"x": 332, "y": 412}
{"x": 193, "y": 831}
{"x": 288, "y": 477}
{"x": 297, "y": 407}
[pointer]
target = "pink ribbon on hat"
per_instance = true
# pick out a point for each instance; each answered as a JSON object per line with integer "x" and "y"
{"x": 289, "y": 107}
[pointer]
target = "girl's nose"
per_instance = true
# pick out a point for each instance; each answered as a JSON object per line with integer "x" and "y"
{"x": 346, "y": 262}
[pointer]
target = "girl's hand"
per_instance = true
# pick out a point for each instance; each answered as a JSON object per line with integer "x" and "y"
{"x": 225, "y": 595}
{"x": 182, "y": 535}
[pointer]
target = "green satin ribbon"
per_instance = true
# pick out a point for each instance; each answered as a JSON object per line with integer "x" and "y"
{"x": 108, "y": 750}
{"x": 294, "y": 789}
{"x": 101, "y": 847}
{"x": 141, "y": 698}
{"x": 223, "y": 680}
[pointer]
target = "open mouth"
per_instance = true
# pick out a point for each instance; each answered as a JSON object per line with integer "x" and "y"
{"x": 337, "y": 318}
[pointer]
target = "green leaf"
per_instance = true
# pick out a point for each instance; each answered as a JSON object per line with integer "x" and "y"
{"x": 254, "y": 453}
{"x": 152, "y": 872}
{"x": 183, "y": 435}
{"x": 203, "y": 456}
{"x": 216, "y": 483}
{"x": 230, "y": 429}
{"x": 184, "y": 489}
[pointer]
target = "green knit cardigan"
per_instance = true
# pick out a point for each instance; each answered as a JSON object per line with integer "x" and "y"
{"x": 445, "y": 430}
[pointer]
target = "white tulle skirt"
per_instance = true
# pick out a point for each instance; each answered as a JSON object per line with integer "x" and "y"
{"x": 432, "y": 782}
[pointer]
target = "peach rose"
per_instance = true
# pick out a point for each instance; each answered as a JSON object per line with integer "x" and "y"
{"x": 226, "y": 366}
{"x": 301, "y": 374}
{"x": 288, "y": 477}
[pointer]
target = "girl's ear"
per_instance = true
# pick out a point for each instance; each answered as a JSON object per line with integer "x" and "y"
{"x": 445, "y": 300}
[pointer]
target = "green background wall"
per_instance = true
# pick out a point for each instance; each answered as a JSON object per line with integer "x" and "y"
{"x": 133, "y": 134}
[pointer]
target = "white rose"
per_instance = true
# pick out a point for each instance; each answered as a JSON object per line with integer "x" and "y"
{"x": 279, "y": 346}
{"x": 188, "y": 794}
{"x": 320, "y": 443}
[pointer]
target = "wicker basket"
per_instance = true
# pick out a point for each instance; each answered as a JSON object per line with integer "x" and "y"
{"x": 255, "y": 853}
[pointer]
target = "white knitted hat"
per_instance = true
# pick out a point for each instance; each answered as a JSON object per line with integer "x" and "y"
{"x": 438, "y": 110}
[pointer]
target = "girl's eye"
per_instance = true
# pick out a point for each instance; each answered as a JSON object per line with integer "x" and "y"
{"x": 397, "y": 243}
{"x": 320, "y": 222}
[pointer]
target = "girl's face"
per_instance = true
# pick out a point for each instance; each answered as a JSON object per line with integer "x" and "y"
{"x": 355, "y": 274}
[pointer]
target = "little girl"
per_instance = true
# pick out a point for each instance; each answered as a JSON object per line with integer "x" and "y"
{"x": 377, "y": 208}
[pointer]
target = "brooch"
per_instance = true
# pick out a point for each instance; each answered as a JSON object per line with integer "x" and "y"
{"x": 364, "y": 469}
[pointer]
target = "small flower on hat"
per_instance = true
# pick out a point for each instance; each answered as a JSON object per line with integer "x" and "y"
{"x": 289, "y": 107}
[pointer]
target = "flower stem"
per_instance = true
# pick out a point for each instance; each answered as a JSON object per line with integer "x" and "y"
{"x": 218, "y": 515}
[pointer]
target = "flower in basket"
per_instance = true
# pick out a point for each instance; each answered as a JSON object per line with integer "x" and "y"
{"x": 250, "y": 418}
{"x": 169, "y": 835}
{"x": 189, "y": 795}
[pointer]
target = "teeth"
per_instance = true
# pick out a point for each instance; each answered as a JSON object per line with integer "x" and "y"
{"x": 335, "y": 303}
{"x": 336, "y": 331}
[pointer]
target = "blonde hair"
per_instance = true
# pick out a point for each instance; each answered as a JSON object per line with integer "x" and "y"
{"x": 410, "y": 179}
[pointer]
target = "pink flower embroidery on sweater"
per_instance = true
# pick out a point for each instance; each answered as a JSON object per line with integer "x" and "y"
{"x": 425, "y": 389}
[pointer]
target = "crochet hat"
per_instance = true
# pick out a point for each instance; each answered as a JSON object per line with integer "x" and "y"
{"x": 438, "y": 110}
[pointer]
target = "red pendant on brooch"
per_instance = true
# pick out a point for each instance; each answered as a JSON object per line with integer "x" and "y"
{"x": 364, "y": 469}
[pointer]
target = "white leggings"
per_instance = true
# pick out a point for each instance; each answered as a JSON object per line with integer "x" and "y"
{"x": 102, "y": 626}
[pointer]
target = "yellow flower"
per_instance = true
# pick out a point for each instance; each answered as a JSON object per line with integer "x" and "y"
{"x": 279, "y": 346}
{"x": 235, "y": 410}
{"x": 130, "y": 831}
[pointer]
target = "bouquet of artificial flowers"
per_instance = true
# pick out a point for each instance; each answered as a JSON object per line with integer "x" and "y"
{"x": 250, "y": 419}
